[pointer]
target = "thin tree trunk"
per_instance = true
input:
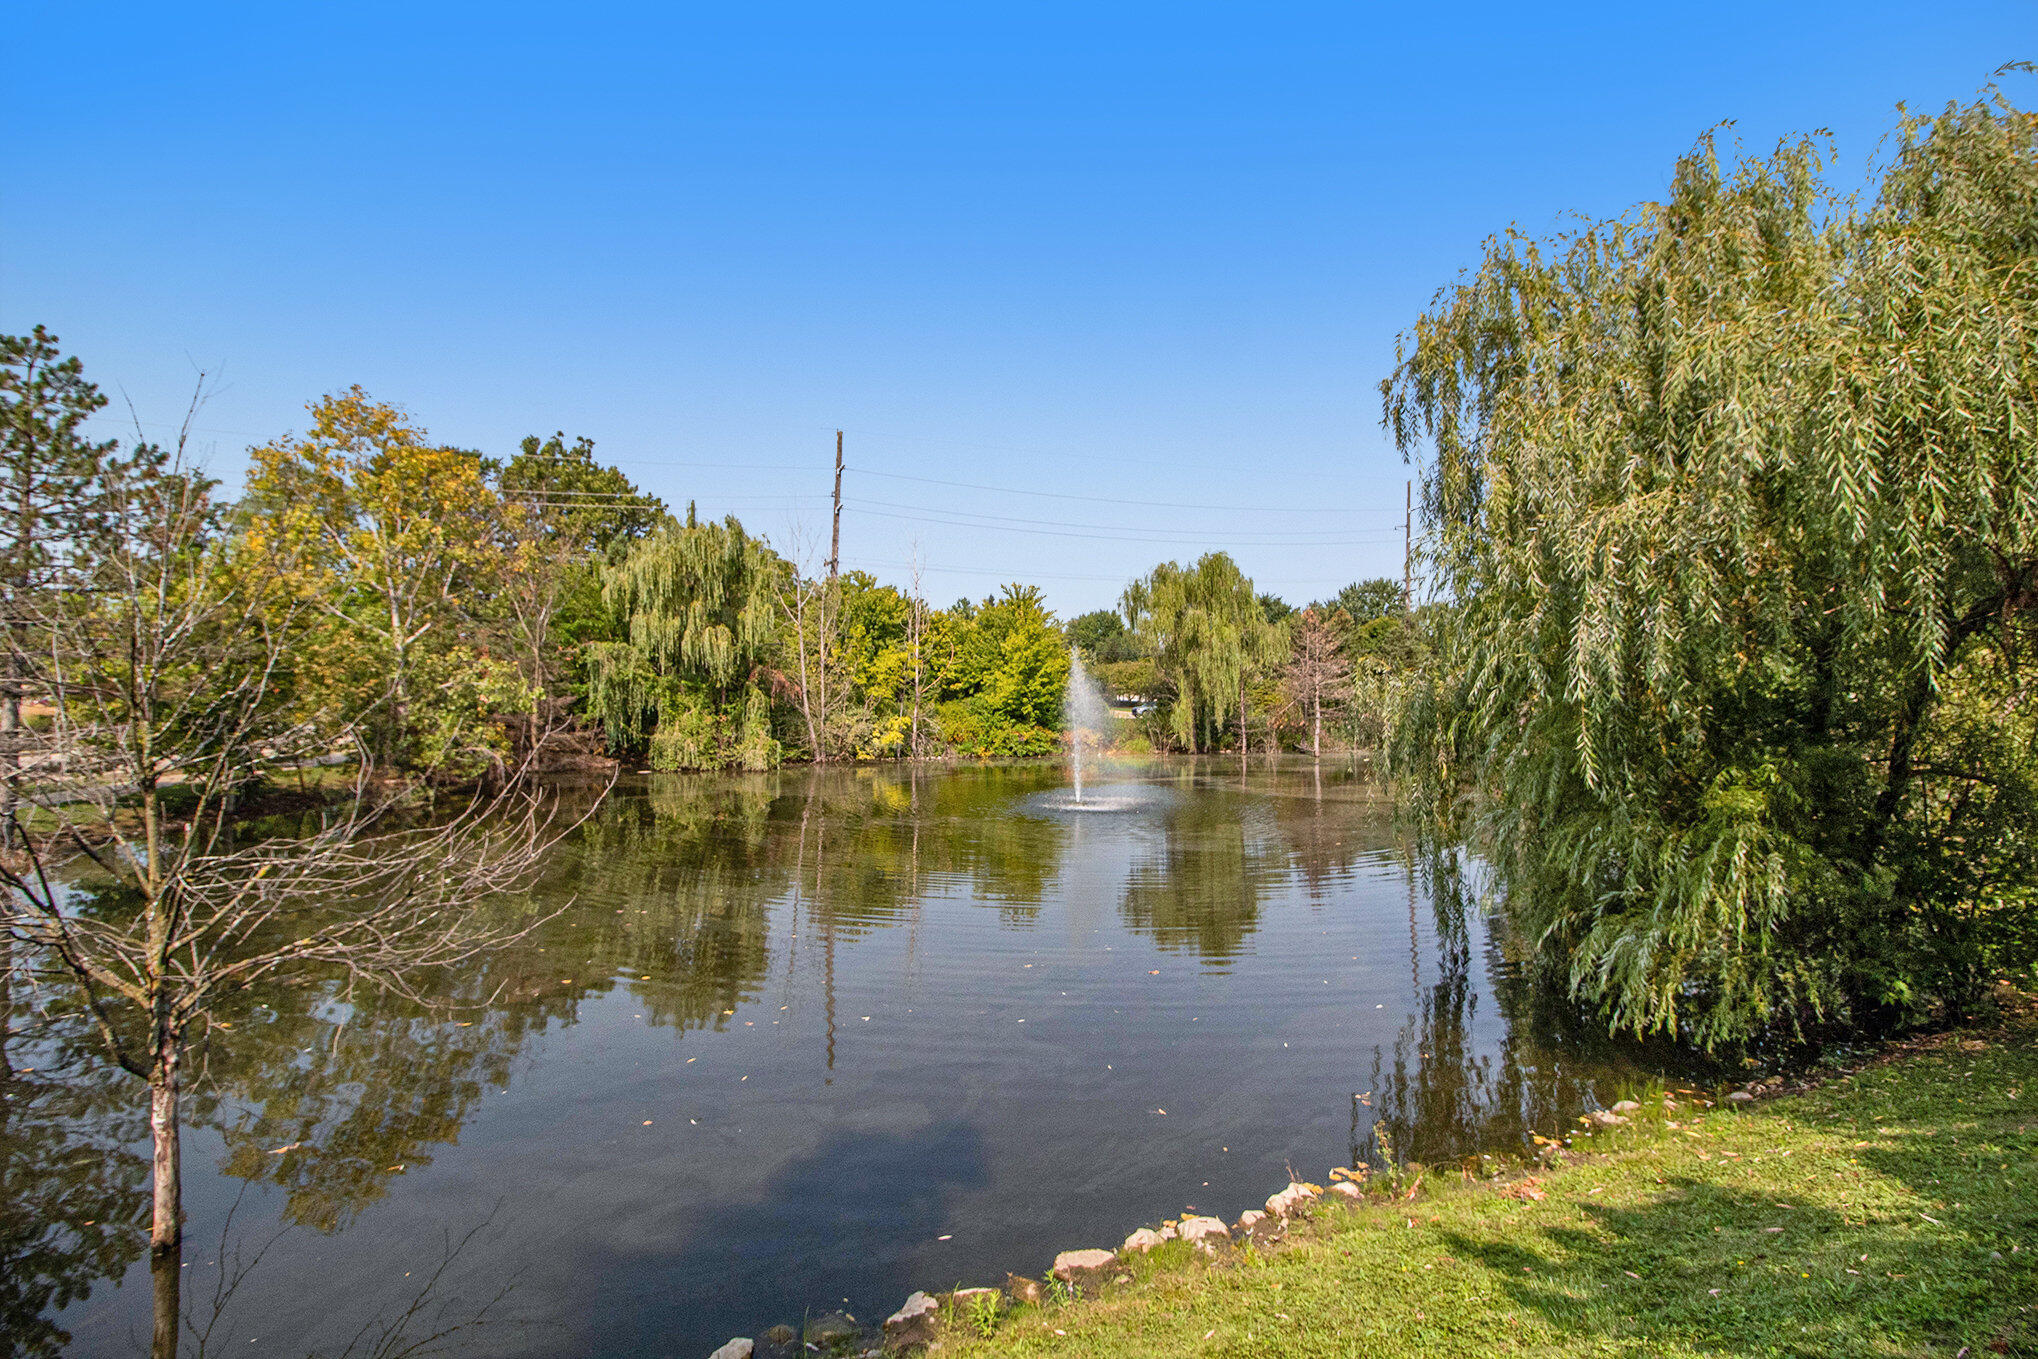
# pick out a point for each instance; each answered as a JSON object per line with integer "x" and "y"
{"x": 6, "y": 1009}
{"x": 806, "y": 693}
{"x": 1316, "y": 727}
{"x": 821, "y": 667}
{"x": 913, "y": 741}
{"x": 1245, "y": 731}
{"x": 166, "y": 1228}
{"x": 1910, "y": 722}
{"x": 10, "y": 754}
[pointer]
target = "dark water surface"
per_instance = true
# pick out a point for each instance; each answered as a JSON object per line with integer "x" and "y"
{"x": 804, "y": 1040}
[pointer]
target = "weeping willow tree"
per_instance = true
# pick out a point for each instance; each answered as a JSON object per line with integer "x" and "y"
{"x": 1210, "y": 639}
{"x": 700, "y": 603}
{"x": 1731, "y": 511}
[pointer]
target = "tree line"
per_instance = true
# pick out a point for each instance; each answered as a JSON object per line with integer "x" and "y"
{"x": 451, "y": 609}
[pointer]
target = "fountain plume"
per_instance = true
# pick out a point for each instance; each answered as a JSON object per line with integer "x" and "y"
{"x": 1084, "y": 714}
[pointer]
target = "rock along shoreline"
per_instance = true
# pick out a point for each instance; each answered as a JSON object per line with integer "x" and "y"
{"x": 924, "y": 1319}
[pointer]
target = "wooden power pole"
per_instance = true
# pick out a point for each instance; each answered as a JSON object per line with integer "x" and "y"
{"x": 835, "y": 536}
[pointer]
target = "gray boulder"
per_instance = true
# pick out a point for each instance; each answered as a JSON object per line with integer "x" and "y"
{"x": 1290, "y": 1201}
{"x": 1087, "y": 1269}
{"x": 913, "y": 1324}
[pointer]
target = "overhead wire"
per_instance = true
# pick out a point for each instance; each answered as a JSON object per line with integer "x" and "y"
{"x": 1156, "y": 537}
{"x": 1110, "y": 500}
{"x": 1276, "y": 535}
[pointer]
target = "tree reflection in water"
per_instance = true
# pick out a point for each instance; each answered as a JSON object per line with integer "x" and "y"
{"x": 1441, "y": 1092}
{"x": 693, "y": 898}
{"x": 74, "y": 1206}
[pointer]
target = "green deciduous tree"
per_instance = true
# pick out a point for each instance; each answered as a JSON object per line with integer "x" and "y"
{"x": 1365, "y": 600}
{"x": 700, "y": 604}
{"x": 1002, "y": 667}
{"x": 1211, "y": 639}
{"x": 397, "y": 542}
{"x": 1732, "y": 509}
{"x": 564, "y": 516}
{"x": 1103, "y": 637}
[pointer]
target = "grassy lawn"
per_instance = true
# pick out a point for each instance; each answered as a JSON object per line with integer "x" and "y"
{"x": 1890, "y": 1212}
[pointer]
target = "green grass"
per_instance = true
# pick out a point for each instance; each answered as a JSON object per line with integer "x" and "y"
{"x": 1892, "y": 1212}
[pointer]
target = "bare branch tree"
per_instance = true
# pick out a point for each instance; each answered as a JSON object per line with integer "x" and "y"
{"x": 805, "y": 606}
{"x": 1317, "y": 674}
{"x": 168, "y": 675}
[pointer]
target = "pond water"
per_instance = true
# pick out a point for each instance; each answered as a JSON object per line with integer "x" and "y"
{"x": 804, "y": 1041}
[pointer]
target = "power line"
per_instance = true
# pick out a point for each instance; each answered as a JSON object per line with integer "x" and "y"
{"x": 1314, "y": 582}
{"x": 1158, "y": 538}
{"x": 1273, "y": 535}
{"x": 979, "y": 571}
{"x": 1116, "y": 459}
{"x": 1108, "y": 500}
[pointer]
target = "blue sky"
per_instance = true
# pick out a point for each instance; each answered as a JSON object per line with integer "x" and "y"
{"x": 1148, "y": 261}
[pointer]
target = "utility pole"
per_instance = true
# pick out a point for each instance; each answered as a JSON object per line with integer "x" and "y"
{"x": 835, "y": 538}
{"x": 1407, "y": 540}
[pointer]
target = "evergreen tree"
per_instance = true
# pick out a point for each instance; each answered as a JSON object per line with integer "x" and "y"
{"x": 52, "y": 505}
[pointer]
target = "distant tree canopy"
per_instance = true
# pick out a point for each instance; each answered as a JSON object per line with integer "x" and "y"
{"x": 455, "y": 610}
{"x": 368, "y": 522}
{"x": 1001, "y": 671}
{"x": 1103, "y": 637}
{"x": 1365, "y": 600}
{"x": 574, "y": 501}
{"x": 1732, "y": 507}
{"x": 1210, "y": 639}
{"x": 700, "y": 612}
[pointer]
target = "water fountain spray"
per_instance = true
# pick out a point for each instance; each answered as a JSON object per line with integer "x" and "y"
{"x": 1084, "y": 711}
